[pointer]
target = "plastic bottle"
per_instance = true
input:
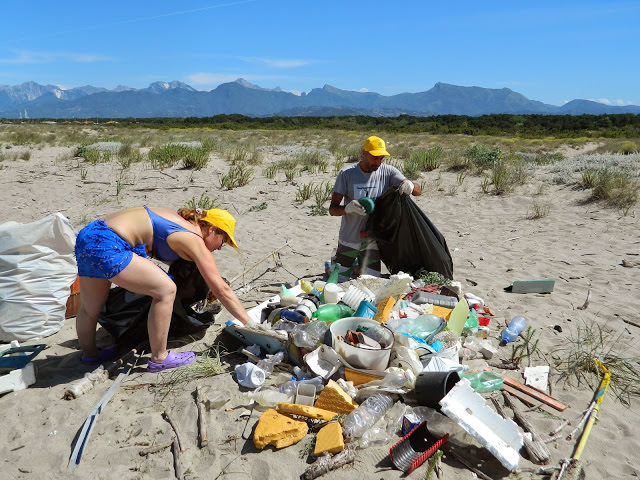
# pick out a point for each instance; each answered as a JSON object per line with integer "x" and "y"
{"x": 267, "y": 364}
{"x": 333, "y": 278}
{"x": 268, "y": 397}
{"x": 292, "y": 316}
{"x": 250, "y": 375}
{"x": 291, "y": 386}
{"x": 331, "y": 312}
{"x": 515, "y": 327}
{"x": 366, "y": 415}
{"x": 309, "y": 335}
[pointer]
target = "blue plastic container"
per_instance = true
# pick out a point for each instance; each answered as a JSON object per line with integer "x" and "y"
{"x": 365, "y": 310}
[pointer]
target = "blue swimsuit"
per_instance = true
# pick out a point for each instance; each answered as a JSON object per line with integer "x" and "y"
{"x": 102, "y": 253}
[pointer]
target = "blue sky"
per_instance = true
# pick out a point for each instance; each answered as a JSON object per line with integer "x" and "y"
{"x": 551, "y": 51}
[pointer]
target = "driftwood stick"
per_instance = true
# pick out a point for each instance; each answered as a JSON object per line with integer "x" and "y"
{"x": 537, "y": 450}
{"x": 586, "y": 302}
{"x": 631, "y": 323}
{"x": 257, "y": 263}
{"x": 175, "y": 449}
{"x": 168, "y": 418}
{"x": 155, "y": 449}
{"x": 326, "y": 463}
{"x": 91, "y": 379}
{"x": 203, "y": 436}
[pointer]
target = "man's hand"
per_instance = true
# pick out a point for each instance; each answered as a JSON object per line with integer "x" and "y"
{"x": 406, "y": 187}
{"x": 354, "y": 208}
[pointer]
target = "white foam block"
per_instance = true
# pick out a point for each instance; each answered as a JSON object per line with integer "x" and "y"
{"x": 499, "y": 435}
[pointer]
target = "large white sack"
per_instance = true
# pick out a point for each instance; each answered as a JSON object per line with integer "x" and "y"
{"x": 37, "y": 268}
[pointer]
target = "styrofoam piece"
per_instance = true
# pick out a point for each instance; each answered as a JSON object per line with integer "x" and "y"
{"x": 18, "y": 379}
{"x": 537, "y": 377}
{"x": 499, "y": 435}
{"x": 397, "y": 285}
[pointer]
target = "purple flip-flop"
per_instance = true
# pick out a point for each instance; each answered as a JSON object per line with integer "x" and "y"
{"x": 173, "y": 360}
{"x": 106, "y": 354}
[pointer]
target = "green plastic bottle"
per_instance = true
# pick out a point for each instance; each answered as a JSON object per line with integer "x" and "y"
{"x": 333, "y": 278}
{"x": 331, "y": 312}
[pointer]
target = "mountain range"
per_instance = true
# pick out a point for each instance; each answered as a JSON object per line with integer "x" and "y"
{"x": 177, "y": 99}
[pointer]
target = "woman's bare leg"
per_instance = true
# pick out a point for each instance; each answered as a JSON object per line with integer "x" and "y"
{"x": 93, "y": 295}
{"x": 145, "y": 277}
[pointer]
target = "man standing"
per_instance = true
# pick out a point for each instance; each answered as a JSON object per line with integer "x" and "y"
{"x": 370, "y": 177}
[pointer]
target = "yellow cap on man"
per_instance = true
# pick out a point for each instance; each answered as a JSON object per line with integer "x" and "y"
{"x": 375, "y": 146}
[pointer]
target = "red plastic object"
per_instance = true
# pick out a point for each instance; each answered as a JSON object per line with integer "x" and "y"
{"x": 483, "y": 321}
{"x": 404, "y": 450}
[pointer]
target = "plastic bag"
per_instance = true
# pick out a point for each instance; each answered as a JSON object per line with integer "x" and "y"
{"x": 124, "y": 315}
{"x": 37, "y": 268}
{"x": 483, "y": 380}
{"x": 408, "y": 241}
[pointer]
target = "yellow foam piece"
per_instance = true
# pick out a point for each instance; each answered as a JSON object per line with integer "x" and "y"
{"x": 443, "y": 312}
{"x": 278, "y": 430}
{"x": 305, "y": 411}
{"x": 335, "y": 399}
{"x": 358, "y": 378}
{"x": 384, "y": 309}
{"x": 329, "y": 439}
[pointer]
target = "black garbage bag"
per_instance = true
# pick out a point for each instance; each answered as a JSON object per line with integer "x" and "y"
{"x": 407, "y": 239}
{"x": 125, "y": 313}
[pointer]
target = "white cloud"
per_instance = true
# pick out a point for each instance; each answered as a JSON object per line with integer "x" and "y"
{"x": 363, "y": 90}
{"x": 603, "y": 100}
{"x": 25, "y": 57}
{"x": 208, "y": 79}
{"x": 278, "y": 62}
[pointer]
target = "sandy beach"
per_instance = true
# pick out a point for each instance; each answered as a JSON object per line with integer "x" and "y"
{"x": 494, "y": 240}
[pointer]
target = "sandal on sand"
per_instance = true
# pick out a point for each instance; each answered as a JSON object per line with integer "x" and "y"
{"x": 106, "y": 354}
{"x": 173, "y": 360}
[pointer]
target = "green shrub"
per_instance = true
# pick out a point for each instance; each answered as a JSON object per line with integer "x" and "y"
{"x": 196, "y": 158}
{"x": 323, "y": 192}
{"x": 428, "y": 159}
{"x": 411, "y": 169}
{"x": 205, "y": 202}
{"x": 237, "y": 176}
{"x": 627, "y": 148}
{"x": 483, "y": 157}
{"x": 167, "y": 155}
{"x": 271, "y": 170}
{"x": 304, "y": 192}
{"x": 616, "y": 189}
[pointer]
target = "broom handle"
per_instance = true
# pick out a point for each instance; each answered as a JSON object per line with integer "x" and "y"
{"x": 592, "y": 418}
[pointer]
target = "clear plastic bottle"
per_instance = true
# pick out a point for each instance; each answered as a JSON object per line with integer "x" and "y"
{"x": 309, "y": 335}
{"x": 515, "y": 327}
{"x": 267, "y": 364}
{"x": 268, "y": 397}
{"x": 291, "y": 386}
{"x": 366, "y": 415}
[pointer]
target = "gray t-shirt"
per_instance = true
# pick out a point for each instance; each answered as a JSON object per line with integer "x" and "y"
{"x": 354, "y": 184}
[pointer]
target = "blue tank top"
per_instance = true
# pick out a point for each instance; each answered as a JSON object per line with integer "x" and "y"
{"x": 162, "y": 228}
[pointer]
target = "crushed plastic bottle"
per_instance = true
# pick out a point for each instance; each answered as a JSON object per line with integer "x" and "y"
{"x": 267, "y": 364}
{"x": 366, "y": 415}
{"x": 515, "y": 328}
{"x": 309, "y": 335}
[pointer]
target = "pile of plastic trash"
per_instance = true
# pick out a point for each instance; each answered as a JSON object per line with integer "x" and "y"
{"x": 379, "y": 357}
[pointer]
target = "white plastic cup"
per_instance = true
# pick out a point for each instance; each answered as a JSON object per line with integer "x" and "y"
{"x": 250, "y": 375}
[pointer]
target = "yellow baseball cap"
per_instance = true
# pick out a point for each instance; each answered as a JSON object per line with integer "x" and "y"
{"x": 224, "y": 221}
{"x": 375, "y": 146}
